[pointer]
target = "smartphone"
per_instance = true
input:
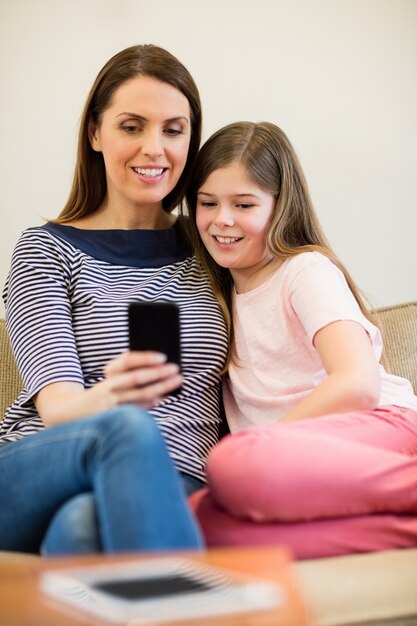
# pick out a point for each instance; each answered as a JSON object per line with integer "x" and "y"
{"x": 155, "y": 326}
{"x": 160, "y": 590}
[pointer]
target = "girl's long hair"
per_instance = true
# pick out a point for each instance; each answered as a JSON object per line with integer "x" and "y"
{"x": 270, "y": 160}
{"x": 89, "y": 185}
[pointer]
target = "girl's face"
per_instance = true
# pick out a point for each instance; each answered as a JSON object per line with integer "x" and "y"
{"x": 144, "y": 137}
{"x": 233, "y": 215}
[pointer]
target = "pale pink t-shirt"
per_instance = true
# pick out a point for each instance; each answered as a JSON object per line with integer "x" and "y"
{"x": 275, "y": 325}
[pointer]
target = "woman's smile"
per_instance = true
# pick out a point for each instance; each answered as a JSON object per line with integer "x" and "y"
{"x": 150, "y": 175}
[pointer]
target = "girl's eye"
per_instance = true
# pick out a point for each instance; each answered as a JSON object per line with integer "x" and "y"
{"x": 244, "y": 205}
{"x": 207, "y": 204}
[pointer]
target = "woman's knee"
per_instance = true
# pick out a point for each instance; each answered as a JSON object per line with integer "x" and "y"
{"x": 127, "y": 420}
{"x": 128, "y": 427}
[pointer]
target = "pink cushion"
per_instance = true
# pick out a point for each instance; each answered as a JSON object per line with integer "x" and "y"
{"x": 306, "y": 540}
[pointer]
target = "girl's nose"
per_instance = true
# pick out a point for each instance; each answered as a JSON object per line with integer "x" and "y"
{"x": 224, "y": 217}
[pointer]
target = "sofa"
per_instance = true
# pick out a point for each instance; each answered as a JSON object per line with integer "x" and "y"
{"x": 362, "y": 589}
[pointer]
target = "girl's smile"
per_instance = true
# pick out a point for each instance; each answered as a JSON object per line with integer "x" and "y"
{"x": 226, "y": 242}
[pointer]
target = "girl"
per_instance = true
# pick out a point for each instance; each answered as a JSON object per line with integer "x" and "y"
{"x": 324, "y": 450}
{"x": 82, "y": 467}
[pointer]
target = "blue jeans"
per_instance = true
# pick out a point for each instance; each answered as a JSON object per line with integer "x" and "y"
{"x": 118, "y": 462}
{"x": 75, "y": 528}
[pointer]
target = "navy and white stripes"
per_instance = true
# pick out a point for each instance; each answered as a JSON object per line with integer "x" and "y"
{"x": 66, "y": 311}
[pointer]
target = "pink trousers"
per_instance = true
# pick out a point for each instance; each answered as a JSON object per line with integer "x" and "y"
{"x": 326, "y": 486}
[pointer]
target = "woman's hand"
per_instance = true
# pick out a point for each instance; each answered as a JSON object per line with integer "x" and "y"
{"x": 142, "y": 378}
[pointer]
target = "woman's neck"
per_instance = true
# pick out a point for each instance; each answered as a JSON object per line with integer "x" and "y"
{"x": 106, "y": 218}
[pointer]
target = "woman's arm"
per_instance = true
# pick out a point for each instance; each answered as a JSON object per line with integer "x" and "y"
{"x": 141, "y": 378}
{"x": 352, "y": 381}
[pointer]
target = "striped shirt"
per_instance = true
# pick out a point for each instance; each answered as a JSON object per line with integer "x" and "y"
{"x": 66, "y": 300}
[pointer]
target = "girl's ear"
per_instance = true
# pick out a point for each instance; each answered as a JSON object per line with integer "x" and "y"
{"x": 94, "y": 136}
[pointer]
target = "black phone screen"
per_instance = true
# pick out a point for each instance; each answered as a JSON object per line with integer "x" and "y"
{"x": 155, "y": 326}
{"x": 143, "y": 588}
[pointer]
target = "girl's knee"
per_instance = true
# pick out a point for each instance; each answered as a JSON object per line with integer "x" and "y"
{"x": 246, "y": 452}
{"x": 246, "y": 470}
{"x": 234, "y": 475}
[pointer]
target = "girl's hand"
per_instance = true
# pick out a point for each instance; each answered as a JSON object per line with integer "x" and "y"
{"x": 142, "y": 378}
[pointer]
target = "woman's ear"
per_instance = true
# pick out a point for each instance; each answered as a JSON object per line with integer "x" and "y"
{"x": 94, "y": 136}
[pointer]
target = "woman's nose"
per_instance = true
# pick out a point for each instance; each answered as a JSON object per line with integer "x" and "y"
{"x": 152, "y": 144}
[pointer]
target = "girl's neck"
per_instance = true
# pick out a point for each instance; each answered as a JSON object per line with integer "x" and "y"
{"x": 250, "y": 278}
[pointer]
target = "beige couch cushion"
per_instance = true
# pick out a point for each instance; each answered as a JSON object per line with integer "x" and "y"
{"x": 379, "y": 588}
{"x": 398, "y": 325}
{"x": 10, "y": 381}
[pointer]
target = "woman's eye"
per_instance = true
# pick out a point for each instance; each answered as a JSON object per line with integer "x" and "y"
{"x": 173, "y": 132}
{"x": 207, "y": 204}
{"x": 130, "y": 128}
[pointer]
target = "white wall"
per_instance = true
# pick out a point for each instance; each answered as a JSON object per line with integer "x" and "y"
{"x": 339, "y": 76}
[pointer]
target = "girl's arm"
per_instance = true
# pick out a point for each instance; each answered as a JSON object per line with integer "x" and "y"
{"x": 352, "y": 381}
{"x": 140, "y": 378}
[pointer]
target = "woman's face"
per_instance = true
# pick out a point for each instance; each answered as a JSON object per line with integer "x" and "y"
{"x": 144, "y": 137}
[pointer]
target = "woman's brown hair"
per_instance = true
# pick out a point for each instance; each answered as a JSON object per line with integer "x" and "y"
{"x": 89, "y": 183}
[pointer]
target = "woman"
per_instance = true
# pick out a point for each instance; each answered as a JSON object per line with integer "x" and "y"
{"x": 116, "y": 241}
